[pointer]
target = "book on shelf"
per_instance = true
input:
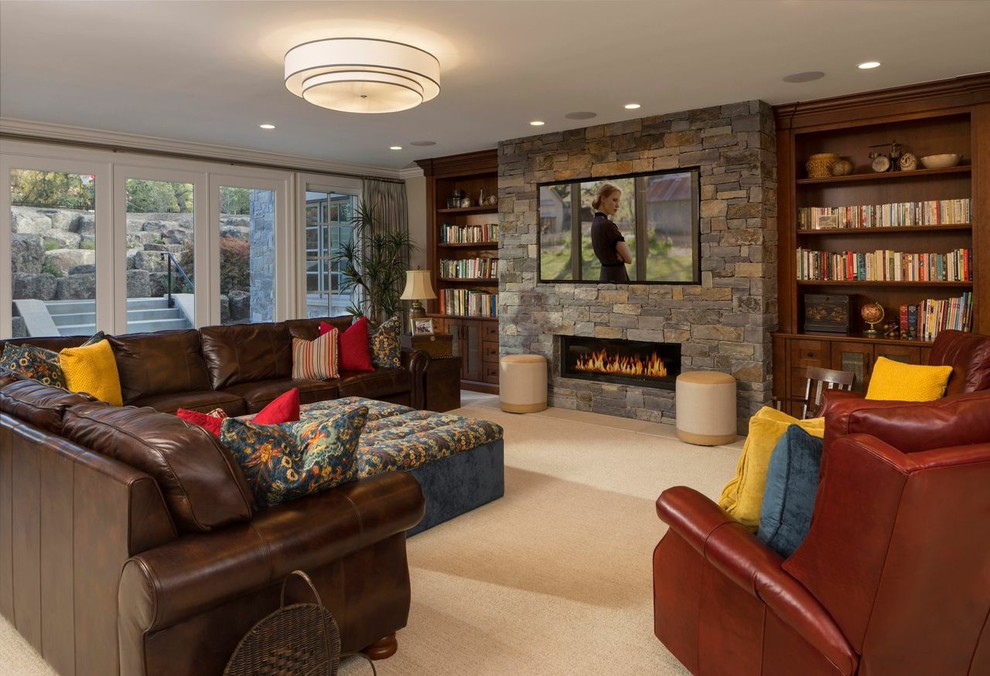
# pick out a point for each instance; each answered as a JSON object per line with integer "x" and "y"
{"x": 924, "y": 320}
{"x": 486, "y": 233}
{"x": 897, "y": 214}
{"x": 884, "y": 265}
{"x": 468, "y": 303}
{"x": 469, "y": 268}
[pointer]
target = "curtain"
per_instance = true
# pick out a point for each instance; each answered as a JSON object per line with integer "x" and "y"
{"x": 386, "y": 200}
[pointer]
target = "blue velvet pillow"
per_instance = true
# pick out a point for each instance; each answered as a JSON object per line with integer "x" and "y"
{"x": 789, "y": 498}
{"x": 289, "y": 460}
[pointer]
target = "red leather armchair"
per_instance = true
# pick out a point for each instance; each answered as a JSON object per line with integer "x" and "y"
{"x": 892, "y": 578}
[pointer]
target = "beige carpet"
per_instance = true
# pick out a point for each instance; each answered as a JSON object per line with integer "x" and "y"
{"x": 554, "y": 578}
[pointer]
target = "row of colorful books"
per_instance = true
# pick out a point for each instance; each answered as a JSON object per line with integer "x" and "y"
{"x": 469, "y": 268}
{"x": 897, "y": 214}
{"x": 468, "y": 302}
{"x": 925, "y": 320}
{"x": 469, "y": 234}
{"x": 884, "y": 265}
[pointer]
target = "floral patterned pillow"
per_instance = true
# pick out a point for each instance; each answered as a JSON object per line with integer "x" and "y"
{"x": 287, "y": 461}
{"x": 33, "y": 362}
{"x": 385, "y": 348}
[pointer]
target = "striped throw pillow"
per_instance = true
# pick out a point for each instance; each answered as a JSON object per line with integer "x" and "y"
{"x": 315, "y": 359}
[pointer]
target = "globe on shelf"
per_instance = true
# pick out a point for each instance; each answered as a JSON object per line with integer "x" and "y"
{"x": 872, "y": 314}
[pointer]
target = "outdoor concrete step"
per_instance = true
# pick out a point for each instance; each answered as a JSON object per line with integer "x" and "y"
{"x": 62, "y": 307}
{"x": 143, "y": 326}
{"x": 68, "y": 319}
{"x": 77, "y": 329}
{"x": 156, "y": 313}
{"x": 146, "y": 303}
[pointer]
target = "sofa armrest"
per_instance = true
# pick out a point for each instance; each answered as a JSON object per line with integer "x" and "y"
{"x": 831, "y": 397}
{"x": 416, "y": 362}
{"x": 165, "y": 585}
{"x": 730, "y": 548}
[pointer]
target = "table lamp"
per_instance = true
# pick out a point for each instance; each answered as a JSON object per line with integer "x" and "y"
{"x": 418, "y": 288}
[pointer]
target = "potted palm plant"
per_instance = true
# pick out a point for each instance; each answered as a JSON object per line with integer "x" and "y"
{"x": 373, "y": 266}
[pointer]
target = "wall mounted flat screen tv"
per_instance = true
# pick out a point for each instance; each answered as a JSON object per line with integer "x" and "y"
{"x": 658, "y": 216}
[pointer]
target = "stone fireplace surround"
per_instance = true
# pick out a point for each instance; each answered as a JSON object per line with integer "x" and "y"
{"x": 722, "y": 324}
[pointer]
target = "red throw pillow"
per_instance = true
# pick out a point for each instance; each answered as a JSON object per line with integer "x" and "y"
{"x": 208, "y": 422}
{"x": 285, "y": 408}
{"x": 355, "y": 352}
{"x": 326, "y": 328}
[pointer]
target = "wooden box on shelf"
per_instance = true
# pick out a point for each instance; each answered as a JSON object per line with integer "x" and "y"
{"x": 826, "y": 313}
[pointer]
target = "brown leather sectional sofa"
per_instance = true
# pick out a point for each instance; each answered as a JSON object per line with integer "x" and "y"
{"x": 128, "y": 539}
{"x": 240, "y": 368}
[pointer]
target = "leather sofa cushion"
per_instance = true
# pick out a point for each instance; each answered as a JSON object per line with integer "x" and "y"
{"x": 245, "y": 353}
{"x": 203, "y": 487}
{"x": 53, "y": 343}
{"x": 159, "y": 363}
{"x": 379, "y": 384}
{"x": 41, "y": 405}
{"x": 309, "y": 329}
{"x": 202, "y": 401}
{"x": 257, "y": 395}
{"x": 969, "y": 356}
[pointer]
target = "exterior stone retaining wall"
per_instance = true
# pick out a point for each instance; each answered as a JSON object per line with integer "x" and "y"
{"x": 723, "y": 324}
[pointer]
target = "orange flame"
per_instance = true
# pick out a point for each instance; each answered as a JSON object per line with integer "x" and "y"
{"x": 602, "y": 362}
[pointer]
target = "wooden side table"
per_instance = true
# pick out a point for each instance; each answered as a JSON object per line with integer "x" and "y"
{"x": 442, "y": 384}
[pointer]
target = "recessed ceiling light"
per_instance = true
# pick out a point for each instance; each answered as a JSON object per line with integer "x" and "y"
{"x": 395, "y": 147}
{"x": 266, "y": 125}
{"x": 806, "y": 76}
{"x": 631, "y": 106}
{"x": 422, "y": 143}
{"x": 867, "y": 65}
{"x": 581, "y": 115}
{"x": 537, "y": 123}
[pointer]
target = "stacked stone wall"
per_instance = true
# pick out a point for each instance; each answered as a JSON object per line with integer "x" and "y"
{"x": 723, "y": 323}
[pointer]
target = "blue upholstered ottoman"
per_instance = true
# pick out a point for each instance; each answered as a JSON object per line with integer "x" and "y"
{"x": 458, "y": 461}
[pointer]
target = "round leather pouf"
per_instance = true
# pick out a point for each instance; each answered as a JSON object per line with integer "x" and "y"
{"x": 522, "y": 383}
{"x": 706, "y": 408}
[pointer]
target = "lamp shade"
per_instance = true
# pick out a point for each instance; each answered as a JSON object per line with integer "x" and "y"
{"x": 418, "y": 286}
{"x": 362, "y": 75}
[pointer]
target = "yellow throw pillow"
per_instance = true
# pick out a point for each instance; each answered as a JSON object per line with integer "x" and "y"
{"x": 742, "y": 497}
{"x": 92, "y": 369}
{"x": 895, "y": 381}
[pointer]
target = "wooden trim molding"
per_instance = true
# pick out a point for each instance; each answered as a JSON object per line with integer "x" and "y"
{"x": 82, "y": 136}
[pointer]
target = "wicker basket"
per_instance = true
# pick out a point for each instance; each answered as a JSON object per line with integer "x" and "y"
{"x": 297, "y": 640}
{"x": 820, "y": 164}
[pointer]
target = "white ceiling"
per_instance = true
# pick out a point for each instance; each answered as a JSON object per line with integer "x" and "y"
{"x": 211, "y": 72}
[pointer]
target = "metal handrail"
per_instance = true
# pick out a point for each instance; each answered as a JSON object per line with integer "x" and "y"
{"x": 171, "y": 259}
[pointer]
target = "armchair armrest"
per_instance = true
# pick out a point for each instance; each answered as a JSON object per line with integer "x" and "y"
{"x": 734, "y": 551}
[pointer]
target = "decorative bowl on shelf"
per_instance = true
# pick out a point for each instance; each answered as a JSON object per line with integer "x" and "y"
{"x": 841, "y": 167}
{"x": 941, "y": 161}
{"x": 820, "y": 164}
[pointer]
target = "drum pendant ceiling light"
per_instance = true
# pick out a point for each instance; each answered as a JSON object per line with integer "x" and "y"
{"x": 362, "y": 75}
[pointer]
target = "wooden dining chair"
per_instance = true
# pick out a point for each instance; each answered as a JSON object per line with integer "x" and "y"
{"x": 820, "y": 379}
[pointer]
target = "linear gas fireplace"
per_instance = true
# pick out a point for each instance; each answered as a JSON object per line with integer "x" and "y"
{"x": 627, "y": 362}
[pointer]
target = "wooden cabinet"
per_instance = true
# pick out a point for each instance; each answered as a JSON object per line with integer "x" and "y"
{"x": 476, "y": 344}
{"x": 794, "y": 353}
{"x": 462, "y": 254}
{"x": 442, "y": 384}
{"x": 925, "y": 220}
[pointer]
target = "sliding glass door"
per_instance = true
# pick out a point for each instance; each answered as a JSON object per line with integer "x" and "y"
{"x": 156, "y": 247}
{"x": 51, "y": 247}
